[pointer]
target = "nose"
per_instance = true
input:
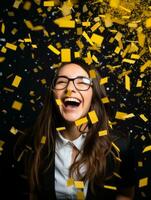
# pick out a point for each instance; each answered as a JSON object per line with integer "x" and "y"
{"x": 70, "y": 86}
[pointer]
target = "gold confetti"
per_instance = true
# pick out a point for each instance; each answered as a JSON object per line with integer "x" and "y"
{"x": 85, "y": 35}
{"x": 77, "y": 54}
{"x": 86, "y": 24}
{"x": 61, "y": 128}
{"x": 3, "y": 50}
{"x": 117, "y": 50}
{"x": 141, "y": 39}
{"x": 95, "y": 26}
{"x": 65, "y": 55}
{"x": 1, "y": 145}
{"x": 68, "y": 93}
{"x": 81, "y": 121}
{"x": 142, "y": 116}
{"x": 2, "y": 59}
{"x": 140, "y": 164}
{"x": 97, "y": 39}
{"x": 146, "y": 64}
{"x": 92, "y": 73}
{"x": 48, "y": 3}
{"x": 105, "y": 100}
{"x": 120, "y": 115}
{"x": 127, "y": 82}
{"x": 27, "y": 5}
{"x": 13, "y": 130}
{"x": 80, "y": 195}
{"x": 11, "y": 46}
{"x": 148, "y": 148}
{"x": 43, "y": 140}
{"x": 66, "y": 23}
{"x": 114, "y": 3}
{"x": 17, "y": 105}
{"x": 93, "y": 117}
{"x": 130, "y": 61}
{"x": 16, "y": 81}
{"x": 17, "y": 4}
{"x": 115, "y": 146}
{"x": 79, "y": 184}
{"x": 110, "y": 187}
{"x": 139, "y": 83}
{"x": 143, "y": 182}
{"x": 3, "y": 28}
{"x": 53, "y": 49}
{"x": 104, "y": 80}
{"x": 70, "y": 182}
{"x": 95, "y": 59}
{"x": 59, "y": 102}
{"x": 148, "y": 23}
{"x": 103, "y": 133}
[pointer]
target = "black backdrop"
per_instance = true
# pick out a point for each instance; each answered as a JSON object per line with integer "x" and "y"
{"x": 34, "y": 66}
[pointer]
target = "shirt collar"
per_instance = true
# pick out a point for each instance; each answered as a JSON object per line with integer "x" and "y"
{"x": 78, "y": 142}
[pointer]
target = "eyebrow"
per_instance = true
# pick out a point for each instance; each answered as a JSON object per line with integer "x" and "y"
{"x": 74, "y": 77}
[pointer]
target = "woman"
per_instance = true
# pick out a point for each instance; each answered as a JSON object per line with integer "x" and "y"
{"x": 72, "y": 141}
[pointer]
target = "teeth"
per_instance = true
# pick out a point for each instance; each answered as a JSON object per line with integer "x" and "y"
{"x": 72, "y": 99}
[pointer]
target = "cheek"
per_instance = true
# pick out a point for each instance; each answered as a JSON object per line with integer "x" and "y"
{"x": 57, "y": 94}
{"x": 88, "y": 100}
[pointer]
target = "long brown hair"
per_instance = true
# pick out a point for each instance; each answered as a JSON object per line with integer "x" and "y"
{"x": 95, "y": 148}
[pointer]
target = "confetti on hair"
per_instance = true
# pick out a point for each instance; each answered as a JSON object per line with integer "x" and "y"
{"x": 93, "y": 117}
{"x": 103, "y": 133}
{"x": 110, "y": 187}
{"x": 43, "y": 140}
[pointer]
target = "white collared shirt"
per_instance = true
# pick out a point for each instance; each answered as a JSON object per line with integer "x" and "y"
{"x": 63, "y": 156}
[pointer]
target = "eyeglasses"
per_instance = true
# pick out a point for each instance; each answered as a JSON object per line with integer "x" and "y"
{"x": 81, "y": 83}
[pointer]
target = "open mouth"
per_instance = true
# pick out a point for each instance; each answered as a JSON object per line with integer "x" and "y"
{"x": 71, "y": 102}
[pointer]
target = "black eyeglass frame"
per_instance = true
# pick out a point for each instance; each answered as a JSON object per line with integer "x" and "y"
{"x": 71, "y": 79}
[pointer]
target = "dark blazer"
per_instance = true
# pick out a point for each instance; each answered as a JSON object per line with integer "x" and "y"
{"x": 14, "y": 183}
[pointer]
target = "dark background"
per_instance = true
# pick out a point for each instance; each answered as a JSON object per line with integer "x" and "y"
{"x": 35, "y": 65}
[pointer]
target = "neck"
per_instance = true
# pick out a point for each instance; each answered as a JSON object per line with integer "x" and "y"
{"x": 72, "y": 131}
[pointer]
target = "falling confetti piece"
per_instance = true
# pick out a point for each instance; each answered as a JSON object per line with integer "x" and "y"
{"x": 110, "y": 187}
{"x": 70, "y": 182}
{"x": 43, "y": 140}
{"x": 143, "y": 182}
{"x": 79, "y": 184}
{"x": 61, "y": 128}
{"x": 80, "y": 195}
{"x": 148, "y": 148}
{"x": 142, "y": 116}
{"x": 105, "y": 100}
{"x": 92, "y": 73}
{"x": 11, "y": 46}
{"x": 59, "y": 102}
{"x": 53, "y": 49}
{"x": 65, "y": 55}
{"x": 103, "y": 133}
{"x": 93, "y": 117}
{"x": 115, "y": 146}
{"x": 127, "y": 82}
{"x": 13, "y": 130}
{"x": 16, "y": 81}
{"x": 48, "y": 3}
{"x": 17, "y": 105}
{"x": 81, "y": 121}
{"x": 104, "y": 80}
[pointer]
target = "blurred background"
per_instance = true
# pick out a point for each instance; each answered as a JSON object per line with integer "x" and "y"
{"x": 114, "y": 35}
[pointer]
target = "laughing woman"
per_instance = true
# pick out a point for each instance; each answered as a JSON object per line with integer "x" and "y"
{"x": 76, "y": 162}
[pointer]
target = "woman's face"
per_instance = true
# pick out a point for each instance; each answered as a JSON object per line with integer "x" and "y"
{"x": 75, "y": 103}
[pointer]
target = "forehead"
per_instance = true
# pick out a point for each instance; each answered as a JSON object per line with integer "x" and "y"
{"x": 72, "y": 70}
